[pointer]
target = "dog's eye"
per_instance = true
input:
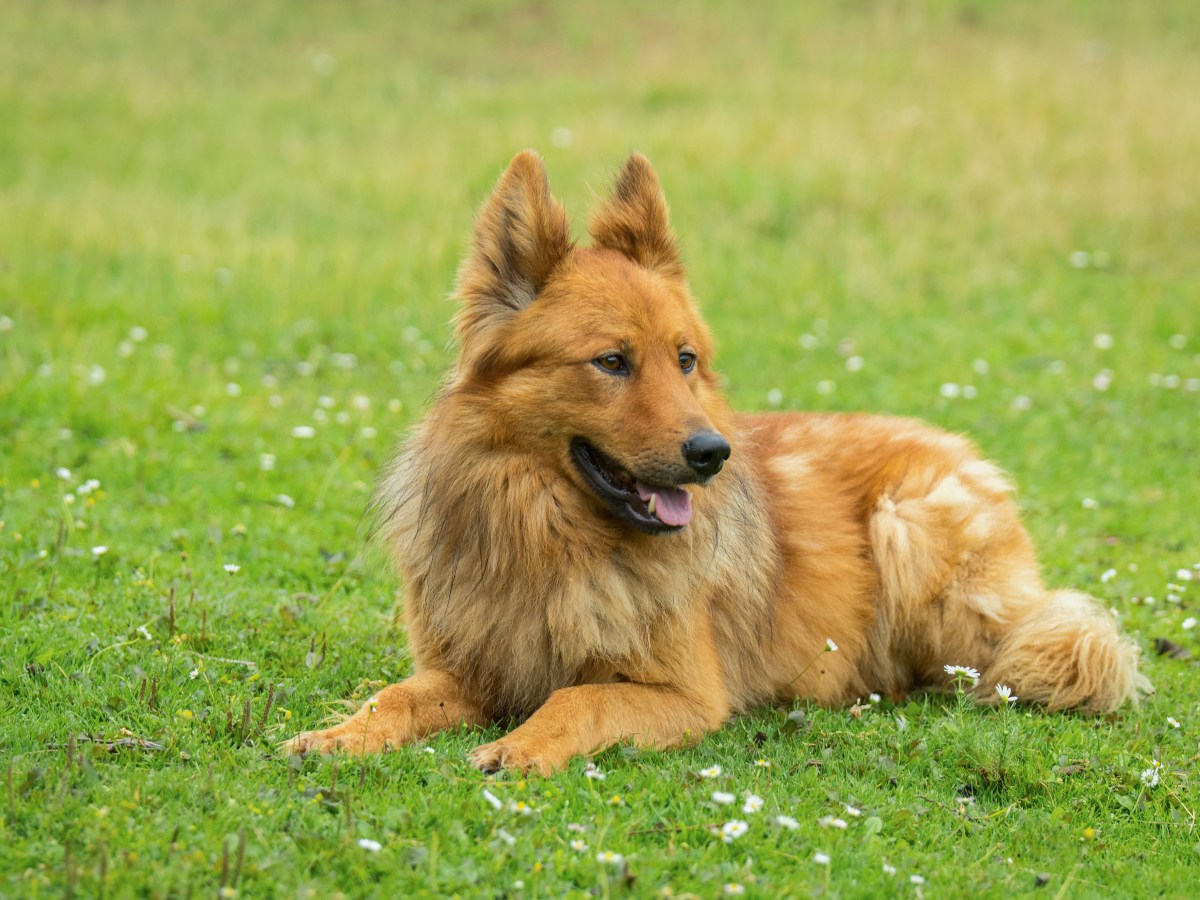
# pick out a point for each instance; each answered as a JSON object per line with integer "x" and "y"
{"x": 612, "y": 362}
{"x": 687, "y": 362}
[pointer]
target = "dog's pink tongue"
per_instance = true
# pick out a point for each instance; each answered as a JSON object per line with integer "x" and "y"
{"x": 672, "y": 506}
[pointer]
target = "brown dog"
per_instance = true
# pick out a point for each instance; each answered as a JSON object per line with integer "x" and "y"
{"x": 595, "y": 545}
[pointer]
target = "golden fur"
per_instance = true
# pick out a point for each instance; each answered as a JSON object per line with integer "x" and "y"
{"x": 528, "y": 597}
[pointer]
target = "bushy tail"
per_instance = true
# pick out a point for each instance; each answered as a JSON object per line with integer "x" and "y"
{"x": 1071, "y": 655}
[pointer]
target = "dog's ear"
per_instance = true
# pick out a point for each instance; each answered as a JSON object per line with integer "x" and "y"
{"x": 521, "y": 235}
{"x": 634, "y": 220}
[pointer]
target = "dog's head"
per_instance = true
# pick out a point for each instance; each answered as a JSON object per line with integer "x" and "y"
{"x": 594, "y": 357}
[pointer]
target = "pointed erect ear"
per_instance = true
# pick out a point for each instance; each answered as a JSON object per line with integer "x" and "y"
{"x": 634, "y": 220}
{"x": 521, "y": 235}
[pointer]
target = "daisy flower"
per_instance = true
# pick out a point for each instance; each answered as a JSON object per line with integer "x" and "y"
{"x": 963, "y": 672}
{"x": 830, "y": 646}
{"x": 368, "y": 844}
{"x": 1006, "y": 693}
{"x": 821, "y": 859}
{"x": 579, "y": 846}
{"x": 753, "y": 803}
{"x": 787, "y": 822}
{"x": 711, "y": 772}
{"x": 609, "y": 858}
{"x": 722, "y": 797}
{"x": 733, "y": 830}
{"x": 232, "y": 568}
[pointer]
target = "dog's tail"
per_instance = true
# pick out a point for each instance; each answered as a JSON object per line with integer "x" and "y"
{"x": 1069, "y": 655}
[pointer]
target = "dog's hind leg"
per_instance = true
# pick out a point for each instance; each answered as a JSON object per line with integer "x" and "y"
{"x": 959, "y": 585}
{"x": 428, "y": 702}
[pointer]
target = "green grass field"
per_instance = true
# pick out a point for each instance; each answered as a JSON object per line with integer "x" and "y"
{"x": 227, "y": 236}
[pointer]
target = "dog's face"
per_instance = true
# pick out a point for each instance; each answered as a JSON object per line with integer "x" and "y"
{"x": 594, "y": 358}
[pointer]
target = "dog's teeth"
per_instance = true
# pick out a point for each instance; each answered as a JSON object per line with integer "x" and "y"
{"x": 652, "y": 503}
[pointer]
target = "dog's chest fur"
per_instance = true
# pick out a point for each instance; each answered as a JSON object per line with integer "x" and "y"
{"x": 520, "y": 586}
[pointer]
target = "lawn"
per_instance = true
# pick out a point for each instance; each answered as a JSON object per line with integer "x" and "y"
{"x": 228, "y": 233}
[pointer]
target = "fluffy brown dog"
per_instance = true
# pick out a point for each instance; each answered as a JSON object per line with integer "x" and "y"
{"x": 595, "y": 545}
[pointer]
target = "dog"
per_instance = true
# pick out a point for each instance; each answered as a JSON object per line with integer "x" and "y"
{"x": 595, "y": 546}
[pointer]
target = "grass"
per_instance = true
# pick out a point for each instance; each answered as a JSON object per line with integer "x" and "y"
{"x": 220, "y": 222}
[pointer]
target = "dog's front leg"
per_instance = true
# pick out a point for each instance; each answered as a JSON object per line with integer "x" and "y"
{"x": 428, "y": 702}
{"x": 590, "y": 717}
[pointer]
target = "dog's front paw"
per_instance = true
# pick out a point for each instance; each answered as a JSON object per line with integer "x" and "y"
{"x": 351, "y": 741}
{"x": 506, "y": 754}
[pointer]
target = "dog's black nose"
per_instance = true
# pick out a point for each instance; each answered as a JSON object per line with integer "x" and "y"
{"x": 706, "y": 452}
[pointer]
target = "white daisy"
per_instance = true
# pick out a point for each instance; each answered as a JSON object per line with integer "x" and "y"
{"x": 963, "y": 671}
{"x": 1006, "y": 693}
{"x": 733, "y": 830}
{"x": 1150, "y": 775}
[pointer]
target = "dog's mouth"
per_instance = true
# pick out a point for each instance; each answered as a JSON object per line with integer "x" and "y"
{"x": 654, "y": 509}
